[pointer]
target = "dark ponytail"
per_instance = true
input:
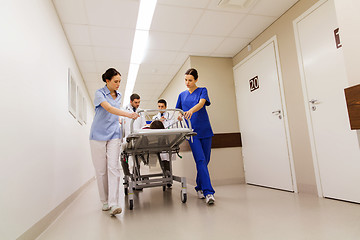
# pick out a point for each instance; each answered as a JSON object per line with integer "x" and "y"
{"x": 109, "y": 74}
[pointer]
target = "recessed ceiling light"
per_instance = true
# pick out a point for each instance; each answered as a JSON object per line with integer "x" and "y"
{"x": 236, "y": 3}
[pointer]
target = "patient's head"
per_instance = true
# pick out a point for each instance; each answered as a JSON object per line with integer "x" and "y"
{"x": 157, "y": 124}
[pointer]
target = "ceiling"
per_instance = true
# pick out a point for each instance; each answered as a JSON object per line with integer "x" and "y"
{"x": 101, "y": 33}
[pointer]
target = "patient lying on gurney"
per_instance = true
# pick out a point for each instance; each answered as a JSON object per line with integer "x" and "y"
{"x": 165, "y": 161}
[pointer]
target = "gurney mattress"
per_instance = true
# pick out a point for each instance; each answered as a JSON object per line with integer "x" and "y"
{"x": 156, "y": 139}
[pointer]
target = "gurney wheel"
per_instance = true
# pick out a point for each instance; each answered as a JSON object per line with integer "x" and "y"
{"x": 183, "y": 197}
{"x": 131, "y": 204}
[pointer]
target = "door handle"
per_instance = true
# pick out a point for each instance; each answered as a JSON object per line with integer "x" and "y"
{"x": 314, "y": 101}
{"x": 277, "y": 113}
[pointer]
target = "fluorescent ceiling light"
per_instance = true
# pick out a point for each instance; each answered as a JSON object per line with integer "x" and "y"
{"x": 146, "y": 12}
{"x": 139, "y": 46}
{"x": 130, "y": 83}
{"x": 145, "y": 15}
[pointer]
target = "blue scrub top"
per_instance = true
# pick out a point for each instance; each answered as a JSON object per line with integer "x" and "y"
{"x": 105, "y": 125}
{"x": 199, "y": 120}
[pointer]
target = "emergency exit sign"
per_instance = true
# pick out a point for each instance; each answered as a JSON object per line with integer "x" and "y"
{"x": 254, "y": 83}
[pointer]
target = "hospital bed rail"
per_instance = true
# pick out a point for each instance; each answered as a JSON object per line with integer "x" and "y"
{"x": 143, "y": 143}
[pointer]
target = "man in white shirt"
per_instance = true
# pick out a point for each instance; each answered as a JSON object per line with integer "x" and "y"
{"x": 165, "y": 117}
{"x": 139, "y": 123}
{"x": 133, "y": 106}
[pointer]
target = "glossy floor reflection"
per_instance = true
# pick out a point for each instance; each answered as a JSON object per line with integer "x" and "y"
{"x": 240, "y": 212}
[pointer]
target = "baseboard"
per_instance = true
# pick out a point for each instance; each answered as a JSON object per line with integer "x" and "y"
{"x": 307, "y": 188}
{"x": 44, "y": 223}
{"x": 219, "y": 182}
{"x": 230, "y": 181}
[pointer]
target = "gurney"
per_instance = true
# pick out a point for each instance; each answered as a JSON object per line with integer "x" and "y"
{"x": 143, "y": 143}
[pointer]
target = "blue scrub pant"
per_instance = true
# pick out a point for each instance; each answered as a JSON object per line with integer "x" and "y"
{"x": 201, "y": 149}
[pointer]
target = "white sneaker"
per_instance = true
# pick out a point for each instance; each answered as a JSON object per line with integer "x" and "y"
{"x": 210, "y": 199}
{"x": 105, "y": 207}
{"x": 200, "y": 194}
{"x": 115, "y": 210}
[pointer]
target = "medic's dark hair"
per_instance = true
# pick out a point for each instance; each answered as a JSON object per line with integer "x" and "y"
{"x": 109, "y": 74}
{"x": 193, "y": 72}
{"x": 134, "y": 96}
{"x": 162, "y": 101}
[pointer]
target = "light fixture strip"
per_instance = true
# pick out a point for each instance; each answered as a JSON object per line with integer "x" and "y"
{"x": 145, "y": 15}
{"x": 139, "y": 46}
{"x": 146, "y": 12}
{"x": 130, "y": 83}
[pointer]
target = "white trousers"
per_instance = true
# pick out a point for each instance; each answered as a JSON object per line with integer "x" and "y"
{"x": 105, "y": 157}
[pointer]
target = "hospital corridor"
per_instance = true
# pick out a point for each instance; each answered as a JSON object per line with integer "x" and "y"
{"x": 180, "y": 119}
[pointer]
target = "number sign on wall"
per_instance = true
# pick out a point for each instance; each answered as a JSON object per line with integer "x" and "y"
{"x": 254, "y": 83}
{"x": 337, "y": 38}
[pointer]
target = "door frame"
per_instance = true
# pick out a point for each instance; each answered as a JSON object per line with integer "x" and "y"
{"x": 282, "y": 99}
{"x": 305, "y": 94}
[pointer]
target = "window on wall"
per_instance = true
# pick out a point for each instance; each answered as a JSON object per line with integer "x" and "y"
{"x": 79, "y": 105}
{"x": 84, "y": 112}
{"x": 76, "y": 101}
{"x": 71, "y": 94}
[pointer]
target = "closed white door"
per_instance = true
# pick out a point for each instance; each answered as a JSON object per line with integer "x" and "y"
{"x": 335, "y": 147}
{"x": 261, "y": 119}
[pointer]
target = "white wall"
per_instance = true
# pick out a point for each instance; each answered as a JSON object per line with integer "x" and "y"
{"x": 349, "y": 23}
{"x": 176, "y": 86}
{"x": 44, "y": 151}
{"x": 300, "y": 140}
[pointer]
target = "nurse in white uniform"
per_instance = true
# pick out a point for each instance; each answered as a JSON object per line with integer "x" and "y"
{"x": 105, "y": 140}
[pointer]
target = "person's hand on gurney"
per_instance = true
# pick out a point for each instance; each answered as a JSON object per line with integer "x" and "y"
{"x": 187, "y": 115}
{"x": 180, "y": 117}
{"x": 195, "y": 108}
{"x": 133, "y": 115}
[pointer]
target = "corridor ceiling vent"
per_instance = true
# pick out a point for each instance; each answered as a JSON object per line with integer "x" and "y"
{"x": 236, "y": 4}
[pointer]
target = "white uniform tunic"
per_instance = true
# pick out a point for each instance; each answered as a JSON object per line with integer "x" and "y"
{"x": 169, "y": 118}
{"x": 138, "y": 123}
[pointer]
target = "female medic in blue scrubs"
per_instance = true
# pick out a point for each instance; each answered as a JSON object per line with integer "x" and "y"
{"x": 193, "y": 102}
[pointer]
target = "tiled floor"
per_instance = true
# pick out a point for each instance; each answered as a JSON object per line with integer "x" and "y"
{"x": 240, "y": 212}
